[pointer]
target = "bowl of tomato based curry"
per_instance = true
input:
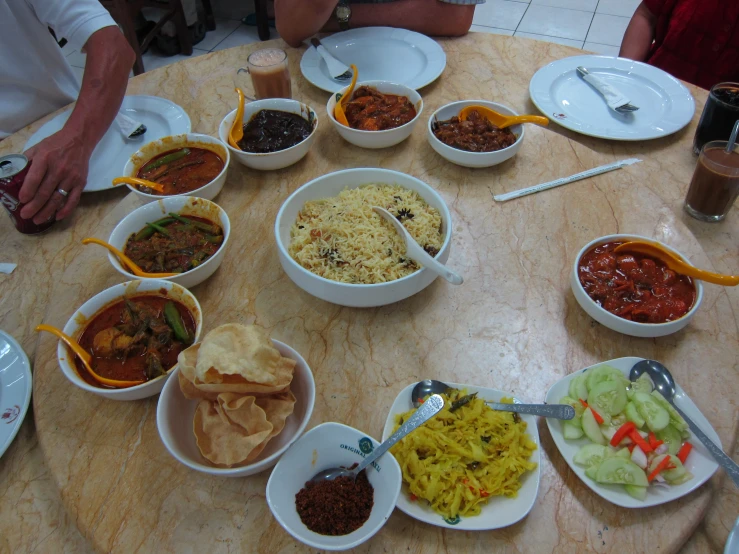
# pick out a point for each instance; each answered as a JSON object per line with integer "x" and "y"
{"x": 188, "y": 164}
{"x": 633, "y": 293}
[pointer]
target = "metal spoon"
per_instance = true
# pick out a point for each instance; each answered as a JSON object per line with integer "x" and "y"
{"x": 414, "y": 251}
{"x": 557, "y": 411}
{"x": 665, "y": 385}
{"x": 430, "y": 408}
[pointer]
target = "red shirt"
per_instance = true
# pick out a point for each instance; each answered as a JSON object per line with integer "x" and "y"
{"x": 696, "y": 40}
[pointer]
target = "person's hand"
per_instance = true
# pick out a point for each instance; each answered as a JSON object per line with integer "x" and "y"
{"x": 60, "y": 163}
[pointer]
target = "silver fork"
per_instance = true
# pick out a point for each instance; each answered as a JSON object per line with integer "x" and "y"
{"x": 625, "y": 108}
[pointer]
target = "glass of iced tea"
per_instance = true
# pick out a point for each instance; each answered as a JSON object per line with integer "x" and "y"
{"x": 270, "y": 74}
{"x": 715, "y": 183}
{"x": 719, "y": 114}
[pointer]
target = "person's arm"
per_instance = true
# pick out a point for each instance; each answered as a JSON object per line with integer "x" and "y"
{"x": 297, "y": 19}
{"x": 639, "y": 35}
{"x": 61, "y": 160}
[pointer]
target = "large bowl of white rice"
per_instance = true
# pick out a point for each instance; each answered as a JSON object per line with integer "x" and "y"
{"x": 399, "y": 285}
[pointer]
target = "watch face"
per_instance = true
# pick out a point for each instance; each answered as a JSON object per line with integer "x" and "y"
{"x": 343, "y": 12}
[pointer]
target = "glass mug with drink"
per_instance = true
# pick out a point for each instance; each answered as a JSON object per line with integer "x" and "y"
{"x": 270, "y": 74}
{"x": 719, "y": 114}
{"x": 715, "y": 183}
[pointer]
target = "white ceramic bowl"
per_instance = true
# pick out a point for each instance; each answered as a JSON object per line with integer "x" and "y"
{"x": 185, "y": 205}
{"x": 76, "y": 325}
{"x": 345, "y": 294}
{"x": 330, "y": 445}
{"x": 616, "y": 323}
{"x": 175, "y": 415}
{"x": 208, "y": 191}
{"x": 281, "y": 158}
{"x": 473, "y": 159}
{"x": 377, "y": 139}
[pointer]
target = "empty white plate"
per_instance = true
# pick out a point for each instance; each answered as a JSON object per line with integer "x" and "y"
{"x": 15, "y": 389}
{"x": 700, "y": 463}
{"x": 500, "y": 511}
{"x": 161, "y": 117}
{"x": 665, "y": 105}
{"x": 380, "y": 54}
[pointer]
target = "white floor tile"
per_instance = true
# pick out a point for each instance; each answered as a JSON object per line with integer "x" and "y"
{"x": 154, "y": 60}
{"x": 502, "y": 14}
{"x": 556, "y": 40}
{"x": 491, "y": 30}
{"x": 244, "y": 34}
{"x": 556, "y": 22}
{"x": 624, "y": 8}
{"x": 607, "y": 29}
{"x": 224, "y": 27}
{"x": 582, "y": 5}
{"x": 76, "y": 58}
{"x": 605, "y": 49}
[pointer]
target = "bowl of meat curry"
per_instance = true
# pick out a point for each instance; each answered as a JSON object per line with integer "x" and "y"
{"x": 133, "y": 333}
{"x": 187, "y": 164}
{"x": 380, "y": 113}
{"x": 183, "y": 235}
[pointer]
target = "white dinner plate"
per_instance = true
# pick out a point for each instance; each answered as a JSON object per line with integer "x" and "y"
{"x": 700, "y": 462}
{"x": 380, "y": 54}
{"x": 500, "y": 511}
{"x": 161, "y": 117}
{"x": 665, "y": 105}
{"x": 15, "y": 389}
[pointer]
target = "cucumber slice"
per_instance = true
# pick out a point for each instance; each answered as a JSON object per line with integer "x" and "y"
{"x": 642, "y": 384}
{"x": 633, "y": 415}
{"x": 675, "y": 418}
{"x": 670, "y": 475}
{"x": 618, "y": 420}
{"x": 635, "y": 491}
{"x": 602, "y": 373}
{"x": 590, "y": 454}
{"x": 654, "y": 414}
{"x": 684, "y": 479}
{"x": 623, "y": 453}
{"x": 575, "y": 403}
{"x": 608, "y": 397}
{"x": 619, "y": 471}
{"x": 592, "y": 471}
{"x": 571, "y": 431}
{"x": 672, "y": 438}
{"x": 578, "y": 388}
{"x": 591, "y": 428}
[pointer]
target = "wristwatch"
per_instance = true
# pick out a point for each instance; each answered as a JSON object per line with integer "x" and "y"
{"x": 343, "y": 14}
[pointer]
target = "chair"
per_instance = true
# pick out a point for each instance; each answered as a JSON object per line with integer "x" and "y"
{"x": 260, "y": 6}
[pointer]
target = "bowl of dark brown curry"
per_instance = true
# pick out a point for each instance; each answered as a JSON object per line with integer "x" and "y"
{"x": 133, "y": 332}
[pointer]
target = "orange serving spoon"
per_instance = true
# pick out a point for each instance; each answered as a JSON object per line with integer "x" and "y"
{"x": 339, "y": 108}
{"x": 135, "y": 269}
{"x": 141, "y": 182}
{"x": 83, "y": 355}
{"x": 502, "y": 121}
{"x": 237, "y": 127}
{"x": 676, "y": 264}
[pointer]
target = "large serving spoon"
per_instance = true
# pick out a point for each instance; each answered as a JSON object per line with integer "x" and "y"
{"x": 83, "y": 355}
{"x": 430, "y": 408}
{"x": 141, "y": 182}
{"x": 414, "y": 251}
{"x": 339, "y": 114}
{"x": 237, "y": 127}
{"x": 676, "y": 264}
{"x": 665, "y": 385}
{"x": 557, "y": 411}
{"x": 502, "y": 121}
{"x": 125, "y": 260}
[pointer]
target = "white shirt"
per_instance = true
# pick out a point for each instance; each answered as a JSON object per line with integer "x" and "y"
{"x": 35, "y": 77}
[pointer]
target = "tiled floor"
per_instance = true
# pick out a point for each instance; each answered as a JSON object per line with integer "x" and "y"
{"x": 596, "y": 25}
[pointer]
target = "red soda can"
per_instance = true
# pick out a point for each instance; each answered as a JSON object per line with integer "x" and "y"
{"x": 13, "y": 171}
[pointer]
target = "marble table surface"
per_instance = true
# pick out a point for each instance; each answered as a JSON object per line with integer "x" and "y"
{"x": 87, "y": 474}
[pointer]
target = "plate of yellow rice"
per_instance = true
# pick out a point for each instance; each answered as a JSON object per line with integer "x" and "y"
{"x": 470, "y": 468}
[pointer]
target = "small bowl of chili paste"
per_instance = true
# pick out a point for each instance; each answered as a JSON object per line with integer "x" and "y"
{"x": 631, "y": 293}
{"x": 341, "y": 515}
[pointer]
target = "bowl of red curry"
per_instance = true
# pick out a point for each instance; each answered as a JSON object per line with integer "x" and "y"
{"x": 380, "y": 113}
{"x": 631, "y": 293}
{"x": 475, "y": 142}
{"x": 184, "y": 165}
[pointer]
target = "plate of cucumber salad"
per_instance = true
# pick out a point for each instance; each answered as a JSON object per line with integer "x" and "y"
{"x": 627, "y": 443}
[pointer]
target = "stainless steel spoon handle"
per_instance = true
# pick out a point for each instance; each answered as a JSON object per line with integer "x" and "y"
{"x": 429, "y": 409}
{"x": 557, "y": 411}
{"x": 729, "y": 465}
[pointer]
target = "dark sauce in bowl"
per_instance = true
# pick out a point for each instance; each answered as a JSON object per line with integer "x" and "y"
{"x": 273, "y": 130}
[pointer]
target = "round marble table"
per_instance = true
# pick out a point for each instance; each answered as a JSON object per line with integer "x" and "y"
{"x": 513, "y": 325}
